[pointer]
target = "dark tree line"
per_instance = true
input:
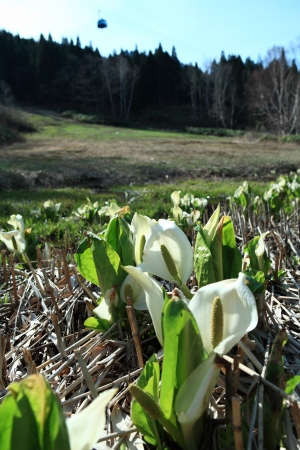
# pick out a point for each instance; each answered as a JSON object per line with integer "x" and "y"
{"x": 153, "y": 87}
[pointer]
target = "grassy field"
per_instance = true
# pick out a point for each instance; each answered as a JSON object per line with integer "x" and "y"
{"x": 67, "y": 161}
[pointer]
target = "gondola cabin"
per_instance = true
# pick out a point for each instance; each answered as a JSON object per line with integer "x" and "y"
{"x": 102, "y": 23}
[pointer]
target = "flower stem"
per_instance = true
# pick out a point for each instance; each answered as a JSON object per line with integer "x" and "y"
{"x": 186, "y": 291}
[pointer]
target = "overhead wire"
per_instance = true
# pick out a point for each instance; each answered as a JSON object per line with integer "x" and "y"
{"x": 126, "y": 23}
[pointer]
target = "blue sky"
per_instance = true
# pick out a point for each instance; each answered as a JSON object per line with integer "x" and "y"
{"x": 199, "y": 29}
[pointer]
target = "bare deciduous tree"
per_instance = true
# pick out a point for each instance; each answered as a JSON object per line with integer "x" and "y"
{"x": 274, "y": 93}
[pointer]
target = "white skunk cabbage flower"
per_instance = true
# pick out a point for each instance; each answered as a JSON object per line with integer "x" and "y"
{"x": 109, "y": 210}
{"x": 13, "y": 240}
{"x": 140, "y": 228}
{"x": 168, "y": 253}
{"x": 187, "y": 200}
{"x": 194, "y": 394}
{"x": 103, "y": 311}
{"x": 154, "y": 297}
{"x": 200, "y": 202}
{"x": 177, "y": 214}
{"x": 225, "y": 312}
{"x": 87, "y": 427}
{"x": 49, "y": 204}
{"x": 260, "y": 250}
{"x": 175, "y": 197}
{"x": 133, "y": 289}
{"x": 16, "y": 220}
{"x": 192, "y": 217}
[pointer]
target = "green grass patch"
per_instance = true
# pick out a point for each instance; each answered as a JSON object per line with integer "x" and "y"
{"x": 220, "y": 132}
{"x": 59, "y": 127}
{"x": 153, "y": 201}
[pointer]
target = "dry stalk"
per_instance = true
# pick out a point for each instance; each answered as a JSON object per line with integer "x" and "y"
{"x": 3, "y": 367}
{"x": 86, "y": 374}
{"x": 31, "y": 367}
{"x": 135, "y": 331}
{"x": 237, "y": 425}
{"x": 13, "y": 277}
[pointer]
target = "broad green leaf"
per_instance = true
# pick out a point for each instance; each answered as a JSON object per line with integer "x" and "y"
{"x": 18, "y": 427}
{"x": 31, "y": 417}
{"x": 291, "y": 384}
{"x": 149, "y": 382}
{"x": 107, "y": 263}
{"x": 250, "y": 249}
{"x": 254, "y": 262}
{"x": 152, "y": 409}
{"x": 112, "y": 235}
{"x": 203, "y": 264}
{"x": 209, "y": 229}
{"x": 126, "y": 243}
{"x": 273, "y": 413}
{"x": 183, "y": 352}
{"x": 85, "y": 262}
{"x": 232, "y": 257}
{"x": 101, "y": 325}
{"x": 255, "y": 280}
{"x": 118, "y": 235}
{"x": 216, "y": 251}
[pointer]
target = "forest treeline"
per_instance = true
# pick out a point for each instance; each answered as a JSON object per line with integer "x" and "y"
{"x": 153, "y": 88}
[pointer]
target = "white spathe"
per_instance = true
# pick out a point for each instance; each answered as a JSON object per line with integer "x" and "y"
{"x": 87, "y": 427}
{"x": 166, "y": 232}
{"x": 139, "y": 296}
{"x": 175, "y": 197}
{"x": 177, "y": 214}
{"x": 16, "y": 220}
{"x": 260, "y": 251}
{"x": 154, "y": 297}
{"x": 49, "y": 204}
{"x": 140, "y": 226}
{"x": 13, "y": 236}
{"x": 239, "y": 312}
{"x": 103, "y": 311}
{"x": 195, "y": 392}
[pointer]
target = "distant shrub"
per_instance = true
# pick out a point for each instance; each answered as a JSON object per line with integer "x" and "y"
{"x": 86, "y": 118}
{"x": 13, "y": 122}
{"x": 291, "y": 138}
{"x": 14, "y": 119}
{"x": 7, "y": 135}
{"x": 220, "y": 132}
{"x": 68, "y": 114}
{"x": 269, "y": 137}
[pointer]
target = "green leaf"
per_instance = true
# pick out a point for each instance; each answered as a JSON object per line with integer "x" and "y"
{"x": 85, "y": 262}
{"x": 273, "y": 429}
{"x": 101, "y": 325}
{"x": 183, "y": 352}
{"x": 291, "y": 384}
{"x": 112, "y": 234}
{"x": 153, "y": 409}
{"x": 255, "y": 280}
{"x": 254, "y": 262}
{"x": 250, "y": 249}
{"x": 31, "y": 417}
{"x": 216, "y": 251}
{"x": 107, "y": 263}
{"x": 126, "y": 243}
{"x": 203, "y": 264}
{"x": 148, "y": 381}
{"x": 209, "y": 229}
{"x": 232, "y": 257}
{"x": 118, "y": 235}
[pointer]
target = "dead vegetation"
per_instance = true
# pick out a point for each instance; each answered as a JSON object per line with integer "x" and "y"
{"x": 44, "y": 305}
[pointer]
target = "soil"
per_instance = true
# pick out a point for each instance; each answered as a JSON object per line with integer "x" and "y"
{"x": 61, "y": 162}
